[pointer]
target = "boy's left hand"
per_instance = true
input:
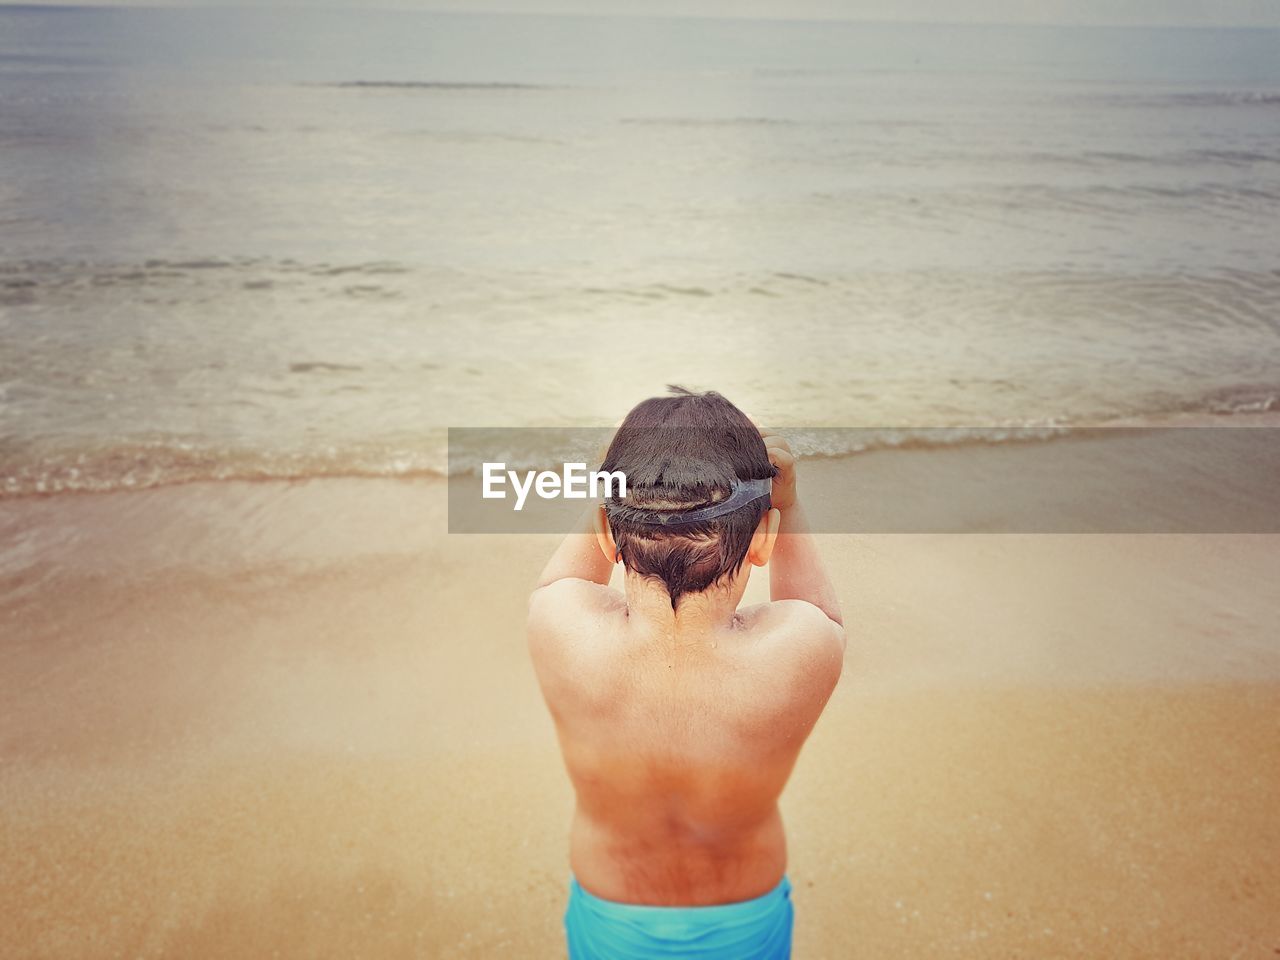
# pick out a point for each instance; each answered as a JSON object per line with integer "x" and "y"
{"x": 780, "y": 455}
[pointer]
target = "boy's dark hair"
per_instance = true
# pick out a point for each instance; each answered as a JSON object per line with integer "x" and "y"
{"x": 681, "y": 452}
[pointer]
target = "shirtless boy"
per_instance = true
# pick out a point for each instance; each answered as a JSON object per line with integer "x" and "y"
{"x": 679, "y": 714}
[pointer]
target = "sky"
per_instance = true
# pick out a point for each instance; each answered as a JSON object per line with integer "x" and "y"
{"x": 1118, "y": 12}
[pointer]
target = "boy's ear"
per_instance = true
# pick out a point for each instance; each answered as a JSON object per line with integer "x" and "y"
{"x": 604, "y": 536}
{"x": 763, "y": 540}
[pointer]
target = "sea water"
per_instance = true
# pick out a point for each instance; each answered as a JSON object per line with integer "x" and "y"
{"x": 239, "y": 244}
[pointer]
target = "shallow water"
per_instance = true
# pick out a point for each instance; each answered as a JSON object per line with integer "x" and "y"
{"x": 254, "y": 244}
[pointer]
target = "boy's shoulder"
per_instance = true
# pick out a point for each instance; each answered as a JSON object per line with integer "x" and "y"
{"x": 573, "y": 597}
{"x": 796, "y": 630}
{"x": 801, "y": 652}
{"x": 566, "y": 622}
{"x": 563, "y": 608}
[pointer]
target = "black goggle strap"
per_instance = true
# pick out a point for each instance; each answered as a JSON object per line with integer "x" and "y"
{"x": 742, "y": 493}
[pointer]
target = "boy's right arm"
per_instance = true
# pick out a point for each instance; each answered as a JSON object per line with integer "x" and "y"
{"x": 796, "y": 570}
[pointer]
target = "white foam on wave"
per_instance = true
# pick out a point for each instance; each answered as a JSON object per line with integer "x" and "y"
{"x": 161, "y": 462}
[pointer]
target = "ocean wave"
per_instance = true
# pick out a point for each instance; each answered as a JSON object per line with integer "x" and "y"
{"x": 1039, "y": 162}
{"x": 708, "y": 121}
{"x": 132, "y": 465}
{"x": 1026, "y": 197}
{"x": 1194, "y": 98}
{"x": 1106, "y": 159}
{"x": 323, "y": 366}
{"x": 1239, "y": 400}
{"x": 1226, "y": 98}
{"x": 159, "y": 463}
{"x": 479, "y": 138}
{"x": 433, "y": 85}
{"x": 21, "y": 280}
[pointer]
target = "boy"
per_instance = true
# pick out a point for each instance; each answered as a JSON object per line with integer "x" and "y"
{"x": 680, "y": 716}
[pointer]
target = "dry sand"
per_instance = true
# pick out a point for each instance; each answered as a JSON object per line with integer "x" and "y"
{"x": 298, "y": 720}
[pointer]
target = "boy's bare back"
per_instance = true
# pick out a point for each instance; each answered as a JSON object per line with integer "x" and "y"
{"x": 679, "y": 737}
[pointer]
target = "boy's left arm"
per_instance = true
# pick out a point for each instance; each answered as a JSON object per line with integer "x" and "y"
{"x": 579, "y": 557}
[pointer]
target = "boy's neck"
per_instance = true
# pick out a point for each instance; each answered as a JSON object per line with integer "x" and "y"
{"x": 649, "y": 604}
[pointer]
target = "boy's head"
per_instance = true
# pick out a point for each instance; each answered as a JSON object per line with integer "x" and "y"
{"x": 680, "y": 453}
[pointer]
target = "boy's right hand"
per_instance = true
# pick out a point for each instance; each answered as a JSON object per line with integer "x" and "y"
{"x": 780, "y": 455}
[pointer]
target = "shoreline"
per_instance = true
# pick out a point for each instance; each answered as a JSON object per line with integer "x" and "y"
{"x": 917, "y": 440}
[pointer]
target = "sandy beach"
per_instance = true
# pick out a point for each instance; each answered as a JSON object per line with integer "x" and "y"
{"x": 298, "y": 720}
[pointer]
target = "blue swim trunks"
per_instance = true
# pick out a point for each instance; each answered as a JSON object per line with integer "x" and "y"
{"x": 758, "y": 929}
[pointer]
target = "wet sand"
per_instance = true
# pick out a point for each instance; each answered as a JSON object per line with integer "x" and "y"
{"x": 298, "y": 720}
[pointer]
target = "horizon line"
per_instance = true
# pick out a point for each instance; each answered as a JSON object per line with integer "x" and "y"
{"x": 628, "y": 15}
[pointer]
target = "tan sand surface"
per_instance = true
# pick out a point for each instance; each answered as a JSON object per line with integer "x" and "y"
{"x": 257, "y": 720}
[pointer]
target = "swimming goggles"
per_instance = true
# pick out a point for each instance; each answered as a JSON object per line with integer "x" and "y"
{"x": 741, "y": 493}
